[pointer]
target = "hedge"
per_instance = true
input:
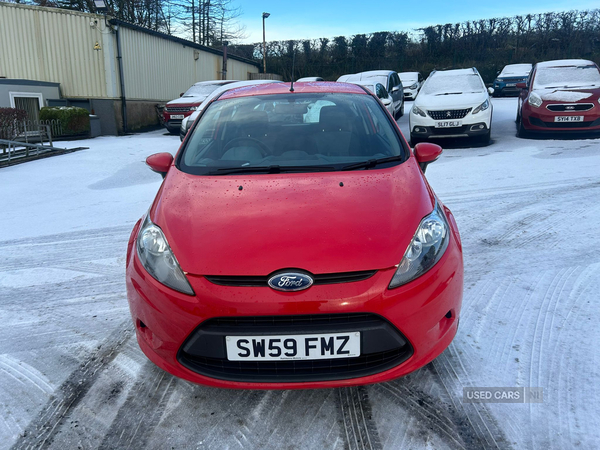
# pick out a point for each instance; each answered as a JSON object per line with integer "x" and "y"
{"x": 74, "y": 121}
{"x": 9, "y": 117}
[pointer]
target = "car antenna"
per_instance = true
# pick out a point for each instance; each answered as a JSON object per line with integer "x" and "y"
{"x": 293, "y": 65}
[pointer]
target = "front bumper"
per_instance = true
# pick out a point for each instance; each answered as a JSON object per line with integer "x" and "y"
{"x": 542, "y": 120}
{"x": 174, "y": 124}
{"x": 424, "y": 313}
{"x": 471, "y": 125}
{"x": 410, "y": 94}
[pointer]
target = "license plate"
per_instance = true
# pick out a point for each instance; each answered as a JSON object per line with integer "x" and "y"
{"x": 293, "y": 347}
{"x": 511, "y": 84}
{"x": 177, "y": 116}
{"x": 568, "y": 119}
{"x": 448, "y": 124}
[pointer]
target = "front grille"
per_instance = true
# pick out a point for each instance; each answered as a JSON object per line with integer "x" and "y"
{"x": 567, "y": 124}
{"x": 449, "y": 114}
{"x": 449, "y": 131}
{"x": 323, "y": 278}
{"x": 571, "y": 107}
{"x": 382, "y": 347}
{"x": 178, "y": 108}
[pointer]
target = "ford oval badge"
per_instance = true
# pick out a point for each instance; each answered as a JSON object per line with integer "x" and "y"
{"x": 290, "y": 281}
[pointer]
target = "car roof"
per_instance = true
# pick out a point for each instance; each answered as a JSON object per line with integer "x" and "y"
{"x": 373, "y": 73}
{"x": 454, "y": 72}
{"x": 320, "y": 87}
{"x": 565, "y": 63}
{"x": 408, "y": 74}
{"x": 216, "y": 82}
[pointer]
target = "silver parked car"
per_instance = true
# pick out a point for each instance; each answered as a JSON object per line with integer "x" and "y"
{"x": 380, "y": 91}
{"x": 389, "y": 79}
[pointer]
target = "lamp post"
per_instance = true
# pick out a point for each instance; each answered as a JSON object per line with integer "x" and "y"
{"x": 264, "y": 16}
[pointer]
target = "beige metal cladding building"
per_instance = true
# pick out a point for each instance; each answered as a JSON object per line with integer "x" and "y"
{"x": 102, "y": 64}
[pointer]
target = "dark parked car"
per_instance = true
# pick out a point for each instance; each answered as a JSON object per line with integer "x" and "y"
{"x": 506, "y": 82}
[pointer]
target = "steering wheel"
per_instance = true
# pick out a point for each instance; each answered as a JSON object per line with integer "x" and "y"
{"x": 264, "y": 150}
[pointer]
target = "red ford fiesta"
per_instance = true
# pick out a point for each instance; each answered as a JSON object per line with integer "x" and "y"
{"x": 294, "y": 243}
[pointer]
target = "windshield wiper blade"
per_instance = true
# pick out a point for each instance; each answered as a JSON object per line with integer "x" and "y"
{"x": 449, "y": 93}
{"x": 273, "y": 169}
{"x": 371, "y": 163}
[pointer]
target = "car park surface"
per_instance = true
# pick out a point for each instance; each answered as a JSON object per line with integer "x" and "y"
{"x": 73, "y": 374}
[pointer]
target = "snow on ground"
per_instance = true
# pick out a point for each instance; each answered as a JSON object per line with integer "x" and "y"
{"x": 72, "y": 375}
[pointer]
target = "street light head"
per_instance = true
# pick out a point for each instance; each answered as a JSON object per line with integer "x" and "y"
{"x": 100, "y": 6}
{"x": 265, "y": 15}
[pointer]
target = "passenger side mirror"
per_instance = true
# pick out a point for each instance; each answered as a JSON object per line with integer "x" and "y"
{"x": 490, "y": 90}
{"x": 160, "y": 162}
{"x": 181, "y": 95}
{"x": 386, "y": 101}
{"x": 395, "y": 89}
{"x": 426, "y": 153}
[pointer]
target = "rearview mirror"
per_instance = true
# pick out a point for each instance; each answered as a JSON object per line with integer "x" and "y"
{"x": 426, "y": 153}
{"x": 160, "y": 162}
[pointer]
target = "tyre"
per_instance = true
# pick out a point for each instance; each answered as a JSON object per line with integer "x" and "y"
{"x": 414, "y": 141}
{"x": 521, "y": 131}
{"x": 485, "y": 139}
{"x": 401, "y": 110}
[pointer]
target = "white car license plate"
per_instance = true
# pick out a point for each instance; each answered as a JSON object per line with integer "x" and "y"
{"x": 293, "y": 347}
{"x": 177, "y": 116}
{"x": 511, "y": 84}
{"x": 568, "y": 119}
{"x": 448, "y": 124}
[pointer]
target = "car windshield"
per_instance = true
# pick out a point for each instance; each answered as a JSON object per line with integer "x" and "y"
{"x": 201, "y": 90}
{"x": 567, "y": 77}
{"x": 290, "y": 132}
{"x": 409, "y": 77}
{"x": 515, "y": 70}
{"x": 453, "y": 84}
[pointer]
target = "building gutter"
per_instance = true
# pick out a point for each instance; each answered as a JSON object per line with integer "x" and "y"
{"x": 122, "y": 80}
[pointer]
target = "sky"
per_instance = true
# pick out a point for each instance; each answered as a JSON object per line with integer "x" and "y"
{"x": 310, "y": 19}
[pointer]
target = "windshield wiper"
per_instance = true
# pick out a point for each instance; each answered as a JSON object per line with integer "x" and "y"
{"x": 450, "y": 93}
{"x": 273, "y": 169}
{"x": 371, "y": 163}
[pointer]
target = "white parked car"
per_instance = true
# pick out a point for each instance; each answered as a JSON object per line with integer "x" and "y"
{"x": 412, "y": 82}
{"x": 305, "y": 79}
{"x": 380, "y": 91}
{"x": 452, "y": 104}
{"x": 389, "y": 79}
{"x": 187, "y": 122}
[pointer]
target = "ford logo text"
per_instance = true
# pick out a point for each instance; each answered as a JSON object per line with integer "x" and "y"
{"x": 290, "y": 281}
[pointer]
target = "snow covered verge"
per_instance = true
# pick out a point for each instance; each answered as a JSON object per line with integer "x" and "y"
{"x": 71, "y": 374}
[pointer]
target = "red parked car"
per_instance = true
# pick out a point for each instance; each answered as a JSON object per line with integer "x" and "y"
{"x": 176, "y": 110}
{"x": 560, "y": 96}
{"x": 295, "y": 243}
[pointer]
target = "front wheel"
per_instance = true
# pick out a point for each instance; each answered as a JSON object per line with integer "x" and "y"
{"x": 401, "y": 110}
{"x": 414, "y": 141}
{"x": 485, "y": 139}
{"x": 521, "y": 131}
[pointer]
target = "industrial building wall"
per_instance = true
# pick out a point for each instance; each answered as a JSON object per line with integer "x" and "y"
{"x": 161, "y": 69}
{"x": 49, "y": 44}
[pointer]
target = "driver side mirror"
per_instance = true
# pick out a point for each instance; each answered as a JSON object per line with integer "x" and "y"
{"x": 386, "y": 101}
{"x": 426, "y": 153}
{"x": 160, "y": 163}
{"x": 490, "y": 90}
{"x": 181, "y": 95}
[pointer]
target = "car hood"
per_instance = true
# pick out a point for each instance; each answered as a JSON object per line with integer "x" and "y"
{"x": 304, "y": 221}
{"x": 571, "y": 95}
{"x": 186, "y": 101}
{"x": 455, "y": 101}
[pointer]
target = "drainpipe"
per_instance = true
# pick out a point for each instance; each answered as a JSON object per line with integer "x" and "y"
{"x": 224, "y": 73}
{"x": 120, "y": 64}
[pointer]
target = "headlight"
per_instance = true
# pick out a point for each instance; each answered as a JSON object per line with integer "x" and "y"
{"x": 425, "y": 250}
{"x": 485, "y": 105}
{"x": 414, "y": 86}
{"x": 416, "y": 110}
{"x": 158, "y": 259}
{"x": 535, "y": 100}
{"x": 193, "y": 108}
